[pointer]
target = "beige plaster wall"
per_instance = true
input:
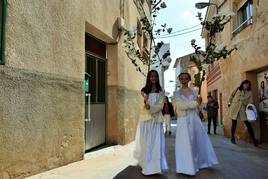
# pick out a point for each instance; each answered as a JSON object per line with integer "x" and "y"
{"x": 41, "y": 122}
{"x": 106, "y": 28}
{"x": 127, "y": 74}
{"x": 101, "y": 17}
{"x": 124, "y": 82}
{"x": 252, "y": 55}
{"x": 46, "y": 36}
{"x": 41, "y": 96}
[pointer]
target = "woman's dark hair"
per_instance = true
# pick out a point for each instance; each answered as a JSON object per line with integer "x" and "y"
{"x": 148, "y": 87}
{"x": 189, "y": 76}
{"x": 166, "y": 98}
{"x": 245, "y": 82}
{"x": 262, "y": 84}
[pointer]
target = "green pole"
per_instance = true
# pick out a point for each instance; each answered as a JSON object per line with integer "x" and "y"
{"x": 3, "y": 30}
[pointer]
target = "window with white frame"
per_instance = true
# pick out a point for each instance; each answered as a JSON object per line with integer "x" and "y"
{"x": 244, "y": 16}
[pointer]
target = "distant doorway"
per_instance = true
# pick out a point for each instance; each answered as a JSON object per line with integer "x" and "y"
{"x": 221, "y": 113}
{"x": 263, "y": 104}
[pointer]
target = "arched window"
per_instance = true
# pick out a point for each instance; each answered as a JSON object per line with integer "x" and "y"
{"x": 3, "y": 12}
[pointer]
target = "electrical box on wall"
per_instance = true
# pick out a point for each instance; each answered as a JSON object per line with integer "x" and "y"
{"x": 121, "y": 23}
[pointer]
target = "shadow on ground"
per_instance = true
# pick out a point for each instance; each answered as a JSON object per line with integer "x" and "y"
{"x": 135, "y": 172}
{"x": 236, "y": 161}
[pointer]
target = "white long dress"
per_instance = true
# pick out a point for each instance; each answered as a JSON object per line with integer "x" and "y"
{"x": 150, "y": 144}
{"x": 193, "y": 148}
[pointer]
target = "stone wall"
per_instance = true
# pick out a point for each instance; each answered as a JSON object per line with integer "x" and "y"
{"x": 123, "y": 114}
{"x": 245, "y": 63}
{"x": 41, "y": 96}
{"x": 41, "y": 89}
{"x": 41, "y": 121}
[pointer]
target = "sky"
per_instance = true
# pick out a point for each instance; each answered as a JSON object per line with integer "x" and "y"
{"x": 180, "y": 14}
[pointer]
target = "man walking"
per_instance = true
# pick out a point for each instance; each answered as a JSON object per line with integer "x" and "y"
{"x": 212, "y": 111}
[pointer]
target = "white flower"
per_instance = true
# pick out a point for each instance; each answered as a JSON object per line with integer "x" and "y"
{"x": 131, "y": 34}
{"x": 220, "y": 47}
{"x": 205, "y": 66}
{"x": 230, "y": 14}
{"x": 217, "y": 15}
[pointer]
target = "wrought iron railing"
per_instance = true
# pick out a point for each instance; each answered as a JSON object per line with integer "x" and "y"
{"x": 242, "y": 26}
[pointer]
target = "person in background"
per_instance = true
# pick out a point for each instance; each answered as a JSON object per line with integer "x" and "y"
{"x": 238, "y": 101}
{"x": 212, "y": 111}
{"x": 168, "y": 113}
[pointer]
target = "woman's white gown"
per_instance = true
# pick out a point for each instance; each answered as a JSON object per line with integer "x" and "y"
{"x": 150, "y": 144}
{"x": 193, "y": 149}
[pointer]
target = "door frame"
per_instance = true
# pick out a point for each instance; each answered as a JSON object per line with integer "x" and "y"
{"x": 87, "y": 53}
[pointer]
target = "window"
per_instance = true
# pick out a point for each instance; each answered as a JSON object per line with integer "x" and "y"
{"x": 244, "y": 17}
{"x": 96, "y": 67}
{"x": 3, "y": 6}
{"x": 142, "y": 41}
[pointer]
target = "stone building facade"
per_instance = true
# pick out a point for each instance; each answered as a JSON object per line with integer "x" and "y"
{"x": 247, "y": 31}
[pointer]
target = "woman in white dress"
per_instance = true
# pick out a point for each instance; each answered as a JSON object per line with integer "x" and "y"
{"x": 150, "y": 140}
{"x": 193, "y": 149}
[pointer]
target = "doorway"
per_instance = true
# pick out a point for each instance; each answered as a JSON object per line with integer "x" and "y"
{"x": 220, "y": 108}
{"x": 263, "y": 104}
{"x": 95, "y": 99}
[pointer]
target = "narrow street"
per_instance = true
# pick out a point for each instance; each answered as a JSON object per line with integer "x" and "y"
{"x": 76, "y": 75}
{"x": 236, "y": 161}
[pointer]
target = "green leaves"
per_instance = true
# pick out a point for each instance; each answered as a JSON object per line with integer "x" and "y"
{"x": 216, "y": 24}
{"x": 213, "y": 26}
{"x": 169, "y": 30}
{"x": 163, "y": 29}
{"x": 163, "y": 5}
{"x": 134, "y": 53}
{"x": 212, "y": 52}
{"x": 199, "y": 15}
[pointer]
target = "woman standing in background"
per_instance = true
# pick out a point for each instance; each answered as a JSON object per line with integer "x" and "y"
{"x": 238, "y": 101}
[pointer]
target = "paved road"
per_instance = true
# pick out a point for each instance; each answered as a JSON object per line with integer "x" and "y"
{"x": 241, "y": 161}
